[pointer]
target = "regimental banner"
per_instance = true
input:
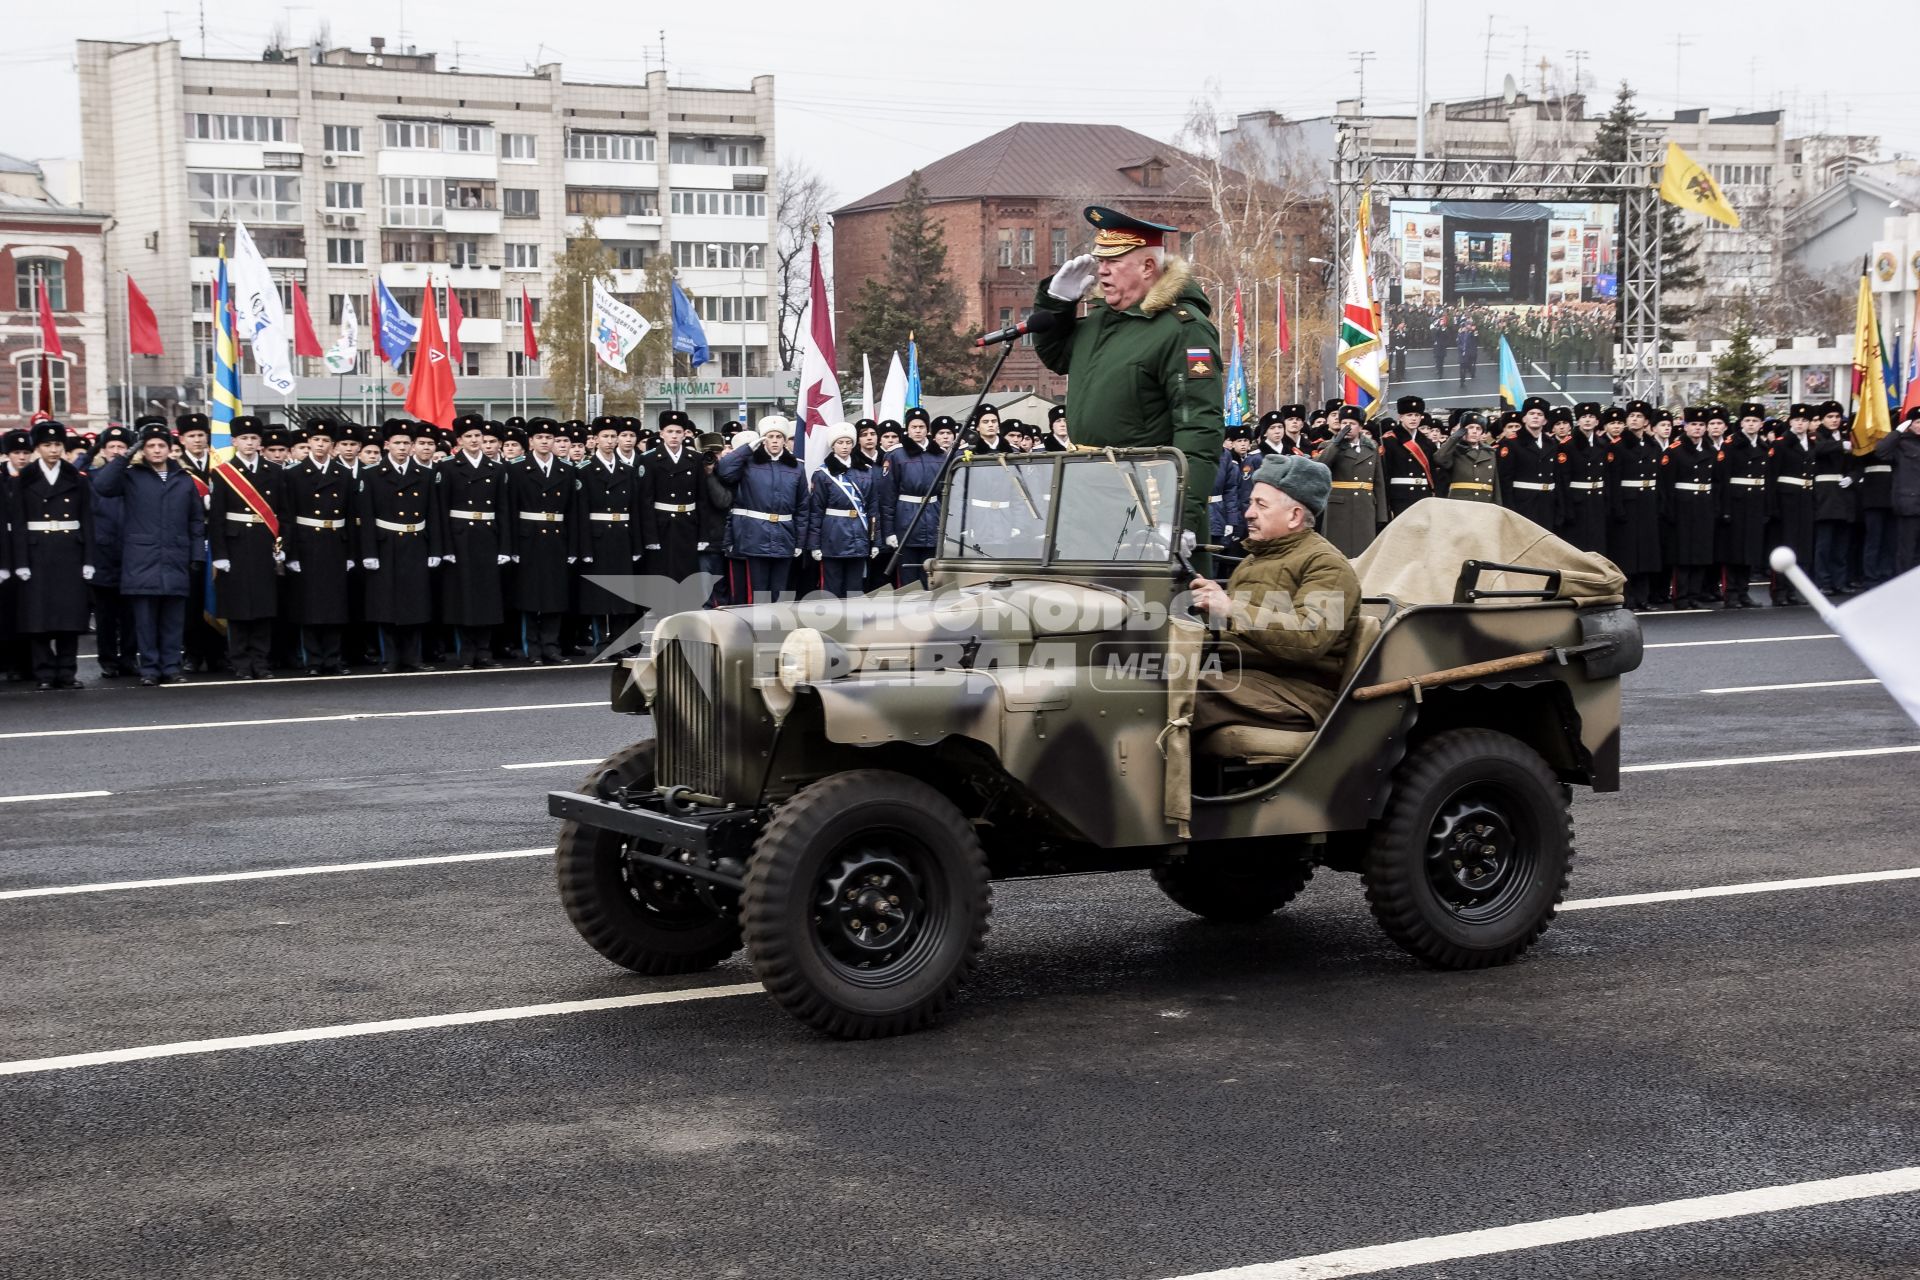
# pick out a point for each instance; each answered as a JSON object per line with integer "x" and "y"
{"x": 617, "y": 328}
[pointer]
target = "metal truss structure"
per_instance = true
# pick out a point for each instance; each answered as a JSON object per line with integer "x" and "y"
{"x": 1631, "y": 184}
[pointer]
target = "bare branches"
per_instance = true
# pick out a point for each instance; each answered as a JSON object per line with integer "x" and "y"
{"x": 800, "y": 214}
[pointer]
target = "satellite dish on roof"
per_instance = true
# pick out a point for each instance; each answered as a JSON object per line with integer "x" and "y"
{"x": 1509, "y": 91}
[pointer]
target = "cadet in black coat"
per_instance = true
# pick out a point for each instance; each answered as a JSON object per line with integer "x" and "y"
{"x": 243, "y": 540}
{"x": 1742, "y": 481}
{"x": 399, "y": 538}
{"x": 1835, "y": 507}
{"x": 544, "y": 496}
{"x": 319, "y": 543}
{"x": 1404, "y": 462}
{"x": 607, "y": 536}
{"x": 1529, "y": 476}
{"x": 1790, "y": 497}
{"x": 475, "y": 513}
{"x": 1583, "y": 482}
{"x": 1633, "y": 505}
{"x": 676, "y": 487}
{"x": 51, "y": 540}
{"x": 1691, "y": 514}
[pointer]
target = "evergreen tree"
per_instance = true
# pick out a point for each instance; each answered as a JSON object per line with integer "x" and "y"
{"x": 914, "y": 295}
{"x": 564, "y": 348}
{"x": 1738, "y": 372}
{"x": 1679, "y": 243}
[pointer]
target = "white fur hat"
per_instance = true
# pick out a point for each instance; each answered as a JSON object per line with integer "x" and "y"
{"x": 840, "y": 431}
{"x": 744, "y": 439}
{"x": 774, "y": 422}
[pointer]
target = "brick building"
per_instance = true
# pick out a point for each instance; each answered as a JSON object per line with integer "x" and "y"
{"x": 1010, "y": 209}
{"x": 44, "y": 240}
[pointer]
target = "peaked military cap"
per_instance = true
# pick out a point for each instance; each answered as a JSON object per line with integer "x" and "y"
{"x": 1118, "y": 233}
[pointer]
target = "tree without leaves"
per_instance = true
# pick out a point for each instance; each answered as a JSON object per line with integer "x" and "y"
{"x": 917, "y": 296}
{"x": 564, "y": 347}
{"x": 1680, "y": 273}
{"x": 799, "y": 212}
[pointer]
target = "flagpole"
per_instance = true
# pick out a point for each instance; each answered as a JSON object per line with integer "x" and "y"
{"x": 126, "y": 396}
{"x": 1254, "y": 342}
{"x": 1294, "y": 344}
{"x": 586, "y": 349}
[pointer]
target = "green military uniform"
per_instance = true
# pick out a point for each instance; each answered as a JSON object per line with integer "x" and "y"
{"x": 1470, "y": 472}
{"x": 1147, "y": 376}
{"x": 1358, "y": 505}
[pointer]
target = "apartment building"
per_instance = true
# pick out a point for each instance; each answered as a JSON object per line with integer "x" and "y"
{"x": 349, "y": 165}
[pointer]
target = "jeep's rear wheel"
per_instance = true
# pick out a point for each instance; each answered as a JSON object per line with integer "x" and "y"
{"x": 1233, "y": 882}
{"x": 1468, "y": 865}
{"x": 866, "y": 904}
{"x": 642, "y": 919}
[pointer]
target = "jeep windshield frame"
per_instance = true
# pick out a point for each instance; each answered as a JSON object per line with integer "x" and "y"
{"x": 1120, "y": 507}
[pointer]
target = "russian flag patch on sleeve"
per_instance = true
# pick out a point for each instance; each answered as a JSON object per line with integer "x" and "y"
{"x": 1200, "y": 362}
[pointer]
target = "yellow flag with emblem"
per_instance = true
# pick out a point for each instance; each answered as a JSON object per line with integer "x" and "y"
{"x": 1685, "y": 183}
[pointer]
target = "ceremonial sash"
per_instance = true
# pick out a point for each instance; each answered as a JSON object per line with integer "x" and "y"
{"x": 853, "y": 493}
{"x": 237, "y": 480}
{"x": 1420, "y": 456}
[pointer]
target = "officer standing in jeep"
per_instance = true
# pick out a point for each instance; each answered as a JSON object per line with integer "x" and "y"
{"x": 1144, "y": 362}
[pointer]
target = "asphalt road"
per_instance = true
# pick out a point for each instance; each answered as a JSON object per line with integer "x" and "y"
{"x": 1445, "y": 390}
{"x": 1125, "y": 1091}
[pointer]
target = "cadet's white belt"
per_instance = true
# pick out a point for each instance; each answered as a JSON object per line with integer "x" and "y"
{"x": 1828, "y": 479}
{"x": 1585, "y": 484}
{"x": 1798, "y": 482}
{"x": 1691, "y": 487}
{"x": 1535, "y": 485}
{"x": 674, "y": 508}
{"x": 848, "y": 512}
{"x": 1879, "y": 466}
{"x": 472, "y": 515}
{"x": 1751, "y": 482}
{"x": 1638, "y": 484}
{"x": 771, "y": 517}
{"x": 988, "y": 504}
{"x": 244, "y": 517}
{"x": 549, "y": 517}
{"x": 391, "y": 527}
{"x": 314, "y": 523}
{"x": 1419, "y": 480}
{"x": 909, "y": 497}
{"x": 610, "y": 517}
{"x": 53, "y": 526}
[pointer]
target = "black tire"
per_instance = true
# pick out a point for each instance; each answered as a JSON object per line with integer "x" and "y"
{"x": 635, "y": 919}
{"x": 1232, "y": 883}
{"x": 866, "y": 904}
{"x": 1468, "y": 865}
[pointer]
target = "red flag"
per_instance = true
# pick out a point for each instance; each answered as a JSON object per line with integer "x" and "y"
{"x": 454, "y": 317}
{"x": 44, "y": 411}
{"x": 373, "y": 318}
{"x": 49, "y": 336}
{"x": 143, "y": 330}
{"x": 528, "y": 343}
{"x": 430, "y": 395}
{"x": 305, "y": 341}
{"x": 1285, "y": 336}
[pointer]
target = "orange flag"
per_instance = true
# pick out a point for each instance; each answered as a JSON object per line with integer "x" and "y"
{"x": 430, "y": 395}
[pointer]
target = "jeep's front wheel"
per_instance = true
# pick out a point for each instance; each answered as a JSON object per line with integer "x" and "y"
{"x": 1469, "y": 863}
{"x": 639, "y": 918}
{"x": 1232, "y": 882}
{"x": 866, "y": 904}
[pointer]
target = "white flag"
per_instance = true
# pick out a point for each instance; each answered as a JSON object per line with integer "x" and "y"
{"x": 617, "y": 328}
{"x": 345, "y": 353}
{"x": 893, "y": 396}
{"x": 258, "y": 313}
{"x": 866, "y": 386}
{"x": 1878, "y": 626}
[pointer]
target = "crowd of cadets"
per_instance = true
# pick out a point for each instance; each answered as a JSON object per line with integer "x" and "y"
{"x": 334, "y": 544}
{"x": 1689, "y": 506}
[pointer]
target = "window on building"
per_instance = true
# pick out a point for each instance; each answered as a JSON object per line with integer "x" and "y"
{"x": 273, "y": 242}
{"x": 523, "y": 257}
{"x": 730, "y": 364}
{"x": 475, "y": 139}
{"x": 1058, "y": 238}
{"x": 721, "y": 151}
{"x": 463, "y": 253}
{"x": 416, "y": 246}
{"x": 412, "y": 135}
{"x": 521, "y": 202}
{"x": 346, "y": 195}
{"x": 243, "y": 197}
{"x": 728, "y": 256}
{"x": 346, "y": 251}
{"x": 519, "y": 146}
{"x": 722, "y": 204}
{"x": 28, "y": 369}
{"x": 513, "y": 309}
{"x": 341, "y": 137}
{"x": 1026, "y": 246}
{"x": 1005, "y": 238}
{"x": 470, "y": 362}
{"x": 414, "y": 202}
{"x": 612, "y": 202}
{"x": 204, "y": 126}
{"x": 518, "y": 366}
{"x": 630, "y": 257}
{"x": 27, "y": 275}
{"x": 463, "y": 194}
{"x": 632, "y": 147}
{"x": 732, "y": 310}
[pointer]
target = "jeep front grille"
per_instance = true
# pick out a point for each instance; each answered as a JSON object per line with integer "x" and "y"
{"x": 691, "y": 751}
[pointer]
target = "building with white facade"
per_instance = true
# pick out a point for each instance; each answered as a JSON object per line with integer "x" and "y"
{"x": 347, "y": 165}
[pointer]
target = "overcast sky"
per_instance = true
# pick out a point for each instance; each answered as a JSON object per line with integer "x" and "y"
{"x": 868, "y": 90}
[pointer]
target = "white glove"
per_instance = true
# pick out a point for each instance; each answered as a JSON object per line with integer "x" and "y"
{"x": 699, "y": 546}
{"x": 515, "y": 559}
{"x": 371, "y": 564}
{"x": 583, "y": 560}
{"x": 893, "y": 540}
{"x": 86, "y": 572}
{"x": 350, "y": 566}
{"x": 796, "y": 553}
{"x": 1846, "y": 482}
{"x": 279, "y": 555}
{"x": 572, "y": 559}
{"x": 5, "y": 574}
{"x": 1188, "y": 541}
{"x": 872, "y": 552}
{"x": 221, "y": 566}
{"x": 819, "y": 555}
{"x": 433, "y": 562}
{"x": 499, "y": 560}
{"x": 1072, "y": 279}
{"x": 653, "y": 546}
{"x": 293, "y": 566}
{"x": 25, "y": 575}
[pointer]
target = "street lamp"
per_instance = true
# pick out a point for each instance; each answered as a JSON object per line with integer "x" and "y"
{"x": 1315, "y": 262}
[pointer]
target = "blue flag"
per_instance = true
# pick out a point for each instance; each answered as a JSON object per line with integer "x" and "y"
{"x": 1512, "y": 390}
{"x": 689, "y": 338}
{"x": 397, "y": 328}
{"x": 1236, "y": 391}
{"x": 913, "y": 373}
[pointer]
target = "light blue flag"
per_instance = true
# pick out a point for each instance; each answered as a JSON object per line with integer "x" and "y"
{"x": 397, "y": 328}
{"x": 1236, "y": 402}
{"x": 1512, "y": 390}
{"x": 689, "y": 335}
{"x": 913, "y": 373}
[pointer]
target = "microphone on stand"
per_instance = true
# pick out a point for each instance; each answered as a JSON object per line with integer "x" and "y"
{"x": 1037, "y": 322}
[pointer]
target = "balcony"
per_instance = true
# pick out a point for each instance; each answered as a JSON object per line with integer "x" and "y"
{"x": 416, "y": 275}
{"x": 636, "y": 226}
{"x": 473, "y": 222}
{"x": 224, "y": 155}
{"x": 401, "y": 162}
{"x": 717, "y": 177}
{"x": 479, "y": 333}
{"x": 643, "y": 174}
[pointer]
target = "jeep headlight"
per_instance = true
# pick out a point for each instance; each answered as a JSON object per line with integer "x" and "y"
{"x": 808, "y": 656}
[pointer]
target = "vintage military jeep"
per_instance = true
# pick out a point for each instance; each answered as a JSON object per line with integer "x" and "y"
{"x": 835, "y": 788}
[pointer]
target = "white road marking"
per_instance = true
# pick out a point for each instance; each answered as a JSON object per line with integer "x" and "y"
{"x": 1700, "y": 644}
{"x": 29, "y": 1066}
{"x": 56, "y": 795}
{"x": 347, "y": 718}
{"x": 1736, "y": 890}
{"x": 387, "y": 675}
{"x": 1585, "y": 1226}
{"x": 1809, "y": 684}
{"x": 1779, "y": 759}
{"x": 273, "y": 873}
{"x": 551, "y": 764}
{"x": 1668, "y": 613}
